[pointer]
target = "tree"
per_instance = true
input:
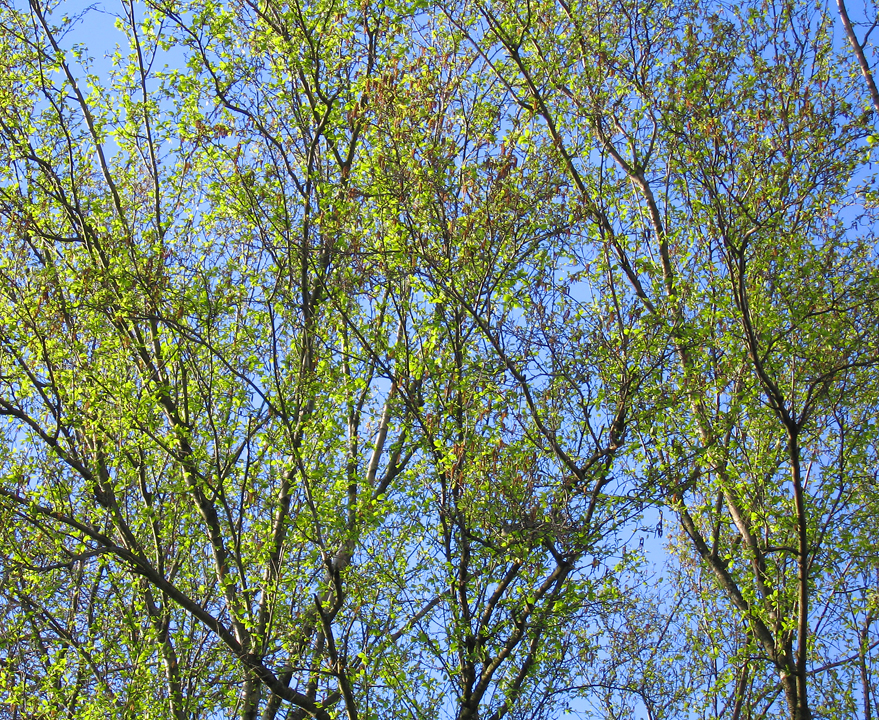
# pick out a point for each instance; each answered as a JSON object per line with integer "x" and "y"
{"x": 344, "y": 346}
{"x": 736, "y": 173}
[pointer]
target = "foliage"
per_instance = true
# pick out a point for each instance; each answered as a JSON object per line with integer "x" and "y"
{"x": 345, "y": 348}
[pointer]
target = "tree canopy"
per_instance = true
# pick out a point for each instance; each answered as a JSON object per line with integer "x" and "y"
{"x": 350, "y": 352}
